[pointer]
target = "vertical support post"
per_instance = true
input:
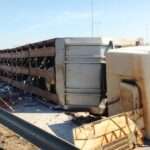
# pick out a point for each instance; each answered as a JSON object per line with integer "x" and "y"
{"x": 60, "y": 69}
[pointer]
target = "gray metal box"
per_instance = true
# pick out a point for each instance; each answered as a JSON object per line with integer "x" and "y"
{"x": 78, "y": 71}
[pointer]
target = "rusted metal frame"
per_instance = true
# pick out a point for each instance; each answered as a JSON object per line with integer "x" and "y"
{"x": 17, "y": 84}
{"x": 37, "y": 52}
{"x": 14, "y": 54}
{"x": 5, "y": 68}
{"x": 34, "y": 71}
{"x": 24, "y": 54}
{"x": 42, "y": 52}
{"x": 45, "y": 94}
{"x": 3, "y": 55}
{"x": 49, "y": 75}
{"x": 5, "y": 79}
{"x": 31, "y": 89}
{"x": 37, "y": 91}
{"x": 7, "y": 104}
{"x": 17, "y": 70}
{"x": 42, "y": 73}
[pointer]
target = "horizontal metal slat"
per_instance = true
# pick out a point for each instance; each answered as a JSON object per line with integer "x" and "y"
{"x": 49, "y": 74}
{"x": 37, "y": 52}
{"x": 42, "y": 52}
{"x": 32, "y": 89}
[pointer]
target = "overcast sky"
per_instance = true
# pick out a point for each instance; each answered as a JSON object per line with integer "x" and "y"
{"x": 24, "y": 21}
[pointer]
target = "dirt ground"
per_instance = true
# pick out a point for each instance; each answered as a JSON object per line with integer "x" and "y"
{"x": 11, "y": 141}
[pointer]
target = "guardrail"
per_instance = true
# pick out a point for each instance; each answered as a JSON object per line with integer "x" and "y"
{"x": 34, "y": 134}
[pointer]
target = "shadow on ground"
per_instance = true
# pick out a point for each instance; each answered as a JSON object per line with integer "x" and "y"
{"x": 64, "y": 130}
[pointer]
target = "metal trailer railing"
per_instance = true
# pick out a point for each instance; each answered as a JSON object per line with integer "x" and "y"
{"x": 31, "y": 68}
{"x": 65, "y": 71}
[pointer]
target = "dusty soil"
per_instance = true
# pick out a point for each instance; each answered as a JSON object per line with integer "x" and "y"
{"x": 11, "y": 141}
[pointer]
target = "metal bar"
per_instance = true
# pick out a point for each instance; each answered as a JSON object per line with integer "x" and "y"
{"x": 43, "y": 52}
{"x": 34, "y": 71}
{"x": 43, "y": 73}
{"x": 6, "y": 104}
{"x": 34, "y": 134}
{"x": 32, "y": 89}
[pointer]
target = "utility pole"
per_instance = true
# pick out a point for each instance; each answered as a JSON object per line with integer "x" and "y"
{"x": 92, "y": 18}
{"x": 147, "y": 34}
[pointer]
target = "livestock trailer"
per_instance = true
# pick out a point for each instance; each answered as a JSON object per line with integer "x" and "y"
{"x": 67, "y": 71}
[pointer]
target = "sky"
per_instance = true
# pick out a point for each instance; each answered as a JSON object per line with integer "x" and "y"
{"x": 26, "y": 21}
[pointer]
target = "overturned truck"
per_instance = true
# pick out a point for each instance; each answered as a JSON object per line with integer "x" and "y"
{"x": 128, "y": 103}
{"x": 67, "y": 71}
